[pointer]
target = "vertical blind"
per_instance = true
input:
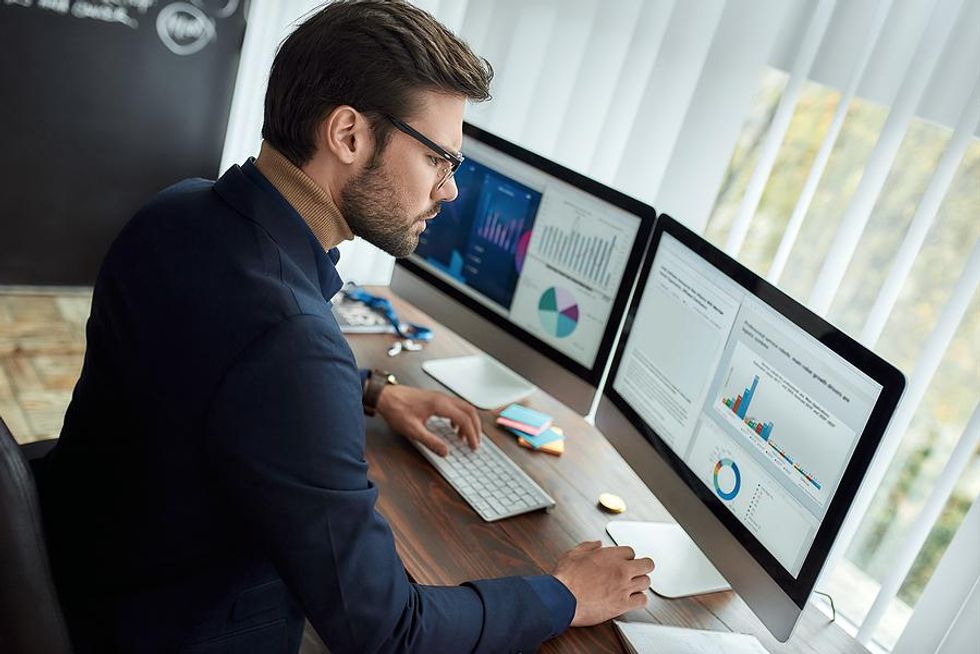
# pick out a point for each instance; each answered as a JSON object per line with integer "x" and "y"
{"x": 657, "y": 97}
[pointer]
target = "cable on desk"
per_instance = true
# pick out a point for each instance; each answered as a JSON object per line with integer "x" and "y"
{"x": 833, "y": 609}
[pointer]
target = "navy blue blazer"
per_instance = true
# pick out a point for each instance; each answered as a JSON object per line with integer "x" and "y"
{"x": 209, "y": 489}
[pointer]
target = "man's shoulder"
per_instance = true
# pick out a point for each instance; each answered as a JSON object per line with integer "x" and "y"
{"x": 185, "y": 193}
{"x": 190, "y": 254}
{"x": 184, "y": 202}
{"x": 187, "y": 220}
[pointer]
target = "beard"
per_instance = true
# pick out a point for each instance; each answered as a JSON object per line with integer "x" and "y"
{"x": 370, "y": 204}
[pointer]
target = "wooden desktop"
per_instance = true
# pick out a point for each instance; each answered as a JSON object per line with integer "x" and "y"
{"x": 441, "y": 540}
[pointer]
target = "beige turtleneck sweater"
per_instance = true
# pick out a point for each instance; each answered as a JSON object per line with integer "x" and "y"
{"x": 311, "y": 201}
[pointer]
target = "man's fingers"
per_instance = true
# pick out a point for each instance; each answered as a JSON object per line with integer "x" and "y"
{"x": 639, "y": 584}
{"x": 419, "y": 433}
{"x": 589, "y": 545}
{"x": 641, "y": 566}
{"x": 637, "y": 600}
{"x": 460, "y": 418}
{"x": 434, "y": 443}
{"x": 622, "y": 552}
{"x": 472, "y": 416}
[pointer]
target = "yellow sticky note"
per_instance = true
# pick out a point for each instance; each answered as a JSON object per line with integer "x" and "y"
{"x": 554, "y": 447}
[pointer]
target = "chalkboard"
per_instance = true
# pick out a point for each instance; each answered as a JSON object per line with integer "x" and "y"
{"x": 102, "y": 104}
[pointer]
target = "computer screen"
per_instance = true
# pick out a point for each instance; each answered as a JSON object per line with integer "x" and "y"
{"x": 768, "y": 413}
{"x": 537, "y": 247}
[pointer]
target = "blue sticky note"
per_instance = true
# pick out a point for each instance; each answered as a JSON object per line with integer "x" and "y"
{"x": 526, "y": 416}
{"x": 543, "y": 438}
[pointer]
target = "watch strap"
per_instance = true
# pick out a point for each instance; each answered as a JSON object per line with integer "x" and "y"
{"x": 375, "y": 383}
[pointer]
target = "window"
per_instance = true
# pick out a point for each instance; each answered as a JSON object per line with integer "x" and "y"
{"x": 946, "y": 407}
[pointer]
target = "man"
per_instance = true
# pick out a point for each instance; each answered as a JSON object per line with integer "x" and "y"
{"x": 209, "y": 490}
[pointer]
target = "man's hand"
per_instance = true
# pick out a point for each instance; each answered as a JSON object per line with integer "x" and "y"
{"x": 406, "y": 409}
{"x": 606, "y": 581}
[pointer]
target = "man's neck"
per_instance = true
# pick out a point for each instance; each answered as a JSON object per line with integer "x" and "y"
{"x": 311, "y": 201}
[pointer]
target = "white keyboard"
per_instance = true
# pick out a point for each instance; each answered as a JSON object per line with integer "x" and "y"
{"x": 486, "y": 478}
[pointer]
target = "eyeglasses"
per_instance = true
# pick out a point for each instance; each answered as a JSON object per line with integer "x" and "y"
{"x": 454, "y": 160}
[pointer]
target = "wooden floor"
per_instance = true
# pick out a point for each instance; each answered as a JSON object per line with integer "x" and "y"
{"x": 42, "y": 343}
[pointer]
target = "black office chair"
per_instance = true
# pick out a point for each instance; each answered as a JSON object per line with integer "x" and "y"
{"x": 31, "y": 621}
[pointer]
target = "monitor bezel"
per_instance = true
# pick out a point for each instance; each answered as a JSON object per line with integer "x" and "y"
{"x": 644, "y": 213}
{"x": 890, "y": 378}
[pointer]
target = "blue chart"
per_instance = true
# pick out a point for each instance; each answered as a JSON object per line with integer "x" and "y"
{"x": 727, "y": 479}
{"x": 502, "y": 231}
{"x": 739, "y": 406}
{"x": 503, "y": 213}
{"x": 765, "y": 408}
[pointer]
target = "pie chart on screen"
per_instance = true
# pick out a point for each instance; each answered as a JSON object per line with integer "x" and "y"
{"x": 558, "y": 312}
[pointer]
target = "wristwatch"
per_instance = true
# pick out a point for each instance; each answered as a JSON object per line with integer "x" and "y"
{"x": 376, "y": 382}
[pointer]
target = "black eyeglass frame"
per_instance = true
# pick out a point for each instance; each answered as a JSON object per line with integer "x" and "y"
{"x": 455, "y": 160}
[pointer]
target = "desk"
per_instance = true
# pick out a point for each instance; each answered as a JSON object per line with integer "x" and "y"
{"x": 441, "y": 540}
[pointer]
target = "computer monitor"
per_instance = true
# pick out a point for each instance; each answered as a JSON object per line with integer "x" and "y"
{"x": 533, "y": 264}
{"x": 752, "y": 419}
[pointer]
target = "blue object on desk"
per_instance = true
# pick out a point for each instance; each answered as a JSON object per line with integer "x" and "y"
{"x": 521, "y": 414}
{"x": 383, "y": 306}
{"x": 545, "y": 437}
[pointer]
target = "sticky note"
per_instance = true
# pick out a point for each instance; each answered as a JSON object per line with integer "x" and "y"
{"x": 554, "y": 447}
{"x": 537, "y": 440}
{"x": 524, "y": 419}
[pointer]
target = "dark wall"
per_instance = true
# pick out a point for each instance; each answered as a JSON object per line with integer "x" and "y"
{"x": 102, "y": 104}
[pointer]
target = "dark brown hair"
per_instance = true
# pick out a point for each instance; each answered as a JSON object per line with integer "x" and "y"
{"x": 374, "y": 55}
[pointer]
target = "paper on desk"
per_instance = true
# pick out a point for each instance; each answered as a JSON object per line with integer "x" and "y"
{"x": 647, "y": 638}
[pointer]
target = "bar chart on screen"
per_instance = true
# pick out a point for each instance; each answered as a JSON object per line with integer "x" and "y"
{"x": 502, "y": 230}
{"x": 586, "y": 256}
{"x": 778, "y": 419}
{"x": 589, "y": 247}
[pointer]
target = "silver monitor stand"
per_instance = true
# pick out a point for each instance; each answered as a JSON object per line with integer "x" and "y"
{"x": 513, "y": 364}
{"x": 479, "y": 379}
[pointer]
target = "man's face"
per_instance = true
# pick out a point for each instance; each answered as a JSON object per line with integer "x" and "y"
{"x": 389, "y": 202}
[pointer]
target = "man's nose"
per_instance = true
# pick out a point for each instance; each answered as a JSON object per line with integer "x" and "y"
{"x": 448, "y": 192}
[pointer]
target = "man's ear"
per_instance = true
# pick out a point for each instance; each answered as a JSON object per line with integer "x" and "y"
{"x": 346, "y": 134}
